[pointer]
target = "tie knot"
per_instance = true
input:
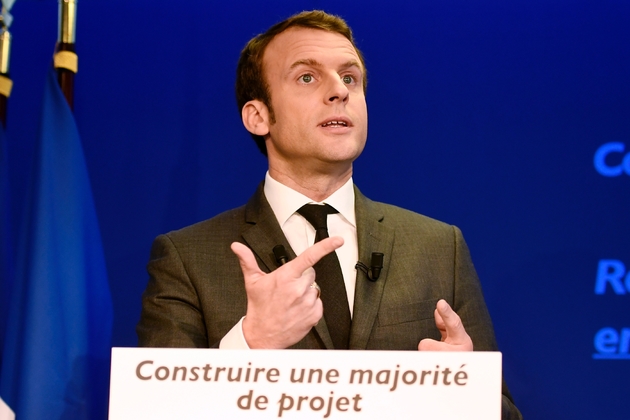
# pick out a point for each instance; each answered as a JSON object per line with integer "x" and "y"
{"x": 317, "y": 215}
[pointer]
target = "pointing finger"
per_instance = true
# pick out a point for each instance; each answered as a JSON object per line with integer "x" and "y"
{"x": 313, "y": 254}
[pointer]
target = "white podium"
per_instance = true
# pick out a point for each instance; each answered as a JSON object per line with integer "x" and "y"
{"x": 303, "y": 384}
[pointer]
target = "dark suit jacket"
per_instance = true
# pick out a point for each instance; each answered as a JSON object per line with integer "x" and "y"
{"x": 196, "y": 291}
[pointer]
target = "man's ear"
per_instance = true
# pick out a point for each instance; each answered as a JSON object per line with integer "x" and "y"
{"x": 255, "y": 116}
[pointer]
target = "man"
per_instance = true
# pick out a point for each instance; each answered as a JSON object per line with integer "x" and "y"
{"x": 301, "y": 91}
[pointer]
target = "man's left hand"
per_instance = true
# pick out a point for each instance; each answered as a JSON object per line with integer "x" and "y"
{"x": 454, "y": 336}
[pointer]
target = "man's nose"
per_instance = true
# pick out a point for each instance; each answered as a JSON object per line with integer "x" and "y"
{"x": 337, "y": 90}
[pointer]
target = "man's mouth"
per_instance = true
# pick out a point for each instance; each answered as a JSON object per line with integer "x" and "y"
{"x": 335, "y": 123}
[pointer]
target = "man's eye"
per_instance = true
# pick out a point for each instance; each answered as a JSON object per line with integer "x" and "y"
{"x": 347, "y": 79}
{"x": 307, "y": 78}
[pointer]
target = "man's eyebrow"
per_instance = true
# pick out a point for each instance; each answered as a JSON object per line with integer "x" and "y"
{"x": 308, "y": 62}
{"x": 314, "y": 63}
{"x": 352, "y": 63}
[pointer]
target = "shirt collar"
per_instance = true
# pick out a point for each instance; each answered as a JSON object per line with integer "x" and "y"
{"x": 285, "y": 201}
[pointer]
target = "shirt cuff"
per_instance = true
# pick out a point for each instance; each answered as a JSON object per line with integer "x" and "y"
{"x": 234, "y": 339}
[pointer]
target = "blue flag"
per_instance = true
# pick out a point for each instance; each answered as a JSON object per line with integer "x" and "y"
{"x": 6, "y": 241}
{"x": 57, "y": 347}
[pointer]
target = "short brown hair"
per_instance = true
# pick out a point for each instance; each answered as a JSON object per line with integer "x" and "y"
{"x": 250, "y": 79}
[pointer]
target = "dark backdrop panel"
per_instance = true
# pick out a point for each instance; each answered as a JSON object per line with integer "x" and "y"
{"x": 483, "y": 114}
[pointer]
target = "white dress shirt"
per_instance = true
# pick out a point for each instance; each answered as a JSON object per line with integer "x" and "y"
{"x": 301, "y": 234}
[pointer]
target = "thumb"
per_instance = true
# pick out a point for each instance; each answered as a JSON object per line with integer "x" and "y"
{"x": 455, "y": 331}
{"x": 439, "y": 323}
{"x": 246, "y": 259}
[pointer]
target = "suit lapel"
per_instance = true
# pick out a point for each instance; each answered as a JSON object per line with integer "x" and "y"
{"x": 372, "y": 236}
{"x": 262, "y": 233}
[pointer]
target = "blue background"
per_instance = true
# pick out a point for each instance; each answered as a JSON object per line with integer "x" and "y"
{"x": 483, "y": 114}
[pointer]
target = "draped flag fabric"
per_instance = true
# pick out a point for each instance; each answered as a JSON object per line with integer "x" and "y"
{"x": 56, "y": 355}
{"x": 6, "y": 236}
{"x": 6, "y": 252}
{"x": 6, "y": 277}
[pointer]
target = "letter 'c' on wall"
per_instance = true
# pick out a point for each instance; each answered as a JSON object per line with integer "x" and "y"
{"x": 599, "y": 160}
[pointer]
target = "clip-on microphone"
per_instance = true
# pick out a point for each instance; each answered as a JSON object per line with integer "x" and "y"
{"x": 281, "y": 255}
{"x": 376, "y": 265}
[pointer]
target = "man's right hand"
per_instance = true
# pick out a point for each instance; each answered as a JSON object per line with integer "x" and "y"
{"x": 281, "y": 305}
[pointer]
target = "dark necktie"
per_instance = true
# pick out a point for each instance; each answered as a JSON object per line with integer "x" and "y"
{"x": 330, "y": 279}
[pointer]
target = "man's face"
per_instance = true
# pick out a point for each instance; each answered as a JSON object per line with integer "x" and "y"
{"x": 315, "y": 80}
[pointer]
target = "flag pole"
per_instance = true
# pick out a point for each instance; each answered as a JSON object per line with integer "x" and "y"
{"x": 66, "y": 61}
{"x": 6, "y": 84}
